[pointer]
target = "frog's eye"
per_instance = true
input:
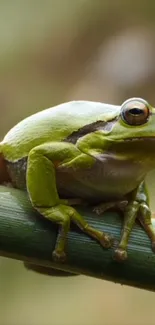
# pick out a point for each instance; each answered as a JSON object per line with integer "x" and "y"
{"x": 135, "y": 111}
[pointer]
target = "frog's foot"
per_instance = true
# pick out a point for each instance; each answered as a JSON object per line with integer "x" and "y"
{"x": 106, "y": 240}
{"x": 59, "y": 256}
{"x": 101, "y": 208}
{"x": 120, "y": 255}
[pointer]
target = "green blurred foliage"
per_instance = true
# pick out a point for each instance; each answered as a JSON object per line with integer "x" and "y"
{"x": 59, "y": 50}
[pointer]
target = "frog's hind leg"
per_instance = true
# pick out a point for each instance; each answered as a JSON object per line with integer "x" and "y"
{"x": 41, "y": 186}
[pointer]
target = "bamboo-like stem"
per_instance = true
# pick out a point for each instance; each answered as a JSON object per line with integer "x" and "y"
{"x": 26, "y": 236}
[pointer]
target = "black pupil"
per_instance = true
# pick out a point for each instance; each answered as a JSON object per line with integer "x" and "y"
{"x": 136, "y": 111}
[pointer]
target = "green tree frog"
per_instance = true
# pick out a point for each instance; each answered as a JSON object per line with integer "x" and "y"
{"x": 84, "y": 151}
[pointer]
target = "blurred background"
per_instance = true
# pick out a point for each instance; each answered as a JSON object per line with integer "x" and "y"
{"x": 54, "y": 51}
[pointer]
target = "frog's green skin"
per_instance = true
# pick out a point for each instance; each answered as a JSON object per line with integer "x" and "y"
{"x": 83, "y": 150}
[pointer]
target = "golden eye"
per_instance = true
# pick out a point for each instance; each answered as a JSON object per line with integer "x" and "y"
{"x": 135, "y": 111}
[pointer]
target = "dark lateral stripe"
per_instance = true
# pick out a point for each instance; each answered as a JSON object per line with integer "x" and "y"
{"x": 89, "y": 128}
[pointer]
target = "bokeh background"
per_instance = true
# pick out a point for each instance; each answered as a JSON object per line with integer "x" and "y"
{"x": 54, "y": 51}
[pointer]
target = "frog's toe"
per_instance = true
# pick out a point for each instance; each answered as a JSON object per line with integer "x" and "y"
{"x": 120, "y": 255}
{"x": 98, "y": 210}
{"x": 106, "y": 240}
{"x": 59, "y": 257}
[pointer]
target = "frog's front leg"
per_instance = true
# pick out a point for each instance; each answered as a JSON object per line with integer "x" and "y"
{"x": 41, "y": 185}
{"x": 137, "y": 207}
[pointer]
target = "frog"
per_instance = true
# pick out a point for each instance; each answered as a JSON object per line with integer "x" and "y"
{"x": 85, "y": 152}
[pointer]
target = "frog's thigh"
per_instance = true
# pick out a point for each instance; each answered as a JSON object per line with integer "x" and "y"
{"x": 40, "y": 176}
{"x": 41, "y": 186}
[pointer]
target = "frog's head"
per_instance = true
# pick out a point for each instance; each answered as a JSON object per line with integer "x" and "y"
{"x": 133, "y": 130}
{"x": 136, "y": 119}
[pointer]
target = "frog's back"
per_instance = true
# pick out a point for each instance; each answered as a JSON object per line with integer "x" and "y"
{"x": 53, "y": 124}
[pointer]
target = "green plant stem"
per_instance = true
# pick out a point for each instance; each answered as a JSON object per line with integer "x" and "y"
{"x": 26, "y": 236}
